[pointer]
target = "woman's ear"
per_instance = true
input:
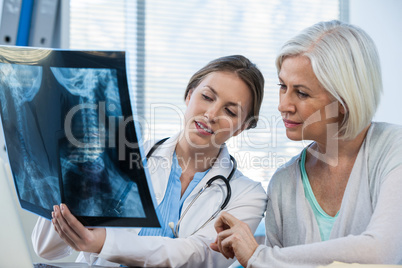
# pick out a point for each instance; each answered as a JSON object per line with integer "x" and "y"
{"x": 342, "y": 108}
{"x": 188, "y": 97}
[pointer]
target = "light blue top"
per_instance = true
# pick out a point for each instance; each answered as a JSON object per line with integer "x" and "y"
{"x": 324, "y": 221}
{"x": 172, "y": 203}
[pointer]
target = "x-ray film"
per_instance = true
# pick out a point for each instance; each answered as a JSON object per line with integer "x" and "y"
{"x": 70, "y": 136}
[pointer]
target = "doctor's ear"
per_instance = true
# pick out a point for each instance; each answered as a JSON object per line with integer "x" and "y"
{"x": 188, "y": 97}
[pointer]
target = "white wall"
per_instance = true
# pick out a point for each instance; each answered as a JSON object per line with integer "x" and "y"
{"x": 382, "y": 20}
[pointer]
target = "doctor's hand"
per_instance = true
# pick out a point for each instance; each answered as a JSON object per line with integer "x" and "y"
{"x": 74, "y": 233}
{"x": 234, "y": 238}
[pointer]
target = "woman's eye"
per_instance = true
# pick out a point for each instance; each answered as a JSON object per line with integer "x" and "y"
{"x": 205, "y": 97}
{"x": 230, "y": 113}
{"x": 301, "y": 94}
{"x": 281, "y": 86}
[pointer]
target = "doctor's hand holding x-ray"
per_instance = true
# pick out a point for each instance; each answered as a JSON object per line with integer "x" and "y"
{"x": 223, "y": 99}
{"x": 74, "y": 233}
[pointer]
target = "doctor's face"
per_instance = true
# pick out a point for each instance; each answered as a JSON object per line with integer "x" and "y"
{"x": 217, "y": 109}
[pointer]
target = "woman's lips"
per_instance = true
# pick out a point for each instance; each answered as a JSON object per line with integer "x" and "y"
{"x": 291, "y": 124}
{"x": 203, "y": 129}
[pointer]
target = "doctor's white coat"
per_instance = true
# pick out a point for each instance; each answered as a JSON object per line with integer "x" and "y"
{"x": 124, "y": 246}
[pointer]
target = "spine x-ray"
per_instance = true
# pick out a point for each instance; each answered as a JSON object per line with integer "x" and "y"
{"x": 70, "y": 135}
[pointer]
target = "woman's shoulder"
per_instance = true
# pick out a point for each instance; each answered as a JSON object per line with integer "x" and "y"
{"x": 163, "y": 144}
{"x": 386, "y": 131}
{"x": 384, "y": 137}
{"x": 384, "y": 148}
{"x": 286, "y": 174}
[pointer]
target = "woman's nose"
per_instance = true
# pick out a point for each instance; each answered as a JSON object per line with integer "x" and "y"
{"x": 286, "y": 104}
{"x": 211, "y": 113}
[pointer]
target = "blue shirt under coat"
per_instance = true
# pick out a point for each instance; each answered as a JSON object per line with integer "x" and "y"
{"x": 170, "y": 207}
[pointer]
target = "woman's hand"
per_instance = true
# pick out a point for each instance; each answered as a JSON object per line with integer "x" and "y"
{"x": 74, "y": 233}
{"x": 234, "y": 238}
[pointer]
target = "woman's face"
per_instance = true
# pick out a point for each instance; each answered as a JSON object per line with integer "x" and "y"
{"x": 216, "y": 110}
{"x": 308, "y": 110}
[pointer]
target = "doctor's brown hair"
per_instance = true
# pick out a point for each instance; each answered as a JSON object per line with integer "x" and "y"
{"x": 245, "y": 70}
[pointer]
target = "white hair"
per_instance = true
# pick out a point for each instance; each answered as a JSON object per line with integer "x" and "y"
{"x": 345, "y": 61}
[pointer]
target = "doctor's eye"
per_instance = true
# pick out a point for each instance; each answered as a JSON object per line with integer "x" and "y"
{"x": 205, "y": 97}
{"x": 230, "y": 113}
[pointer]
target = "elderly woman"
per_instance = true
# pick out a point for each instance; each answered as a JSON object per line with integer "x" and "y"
{"x": 340, "y": 198}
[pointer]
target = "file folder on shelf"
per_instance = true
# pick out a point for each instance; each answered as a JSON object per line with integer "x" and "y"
{"x": 9, "y": 22}
{"x": 43, "y": 23}
{"x": 24, "y": 26}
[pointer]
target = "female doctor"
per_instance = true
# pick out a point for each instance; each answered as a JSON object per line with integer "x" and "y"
{"x": 223, "y": 99}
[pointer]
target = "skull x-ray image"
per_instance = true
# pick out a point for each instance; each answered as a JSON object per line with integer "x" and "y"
{"x": 69, "y": 132}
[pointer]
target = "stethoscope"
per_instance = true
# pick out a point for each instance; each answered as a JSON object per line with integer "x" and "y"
{"x": 207, "y": 185}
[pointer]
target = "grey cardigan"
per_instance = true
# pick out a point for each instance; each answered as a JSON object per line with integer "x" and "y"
{"x": 369, "y": 224}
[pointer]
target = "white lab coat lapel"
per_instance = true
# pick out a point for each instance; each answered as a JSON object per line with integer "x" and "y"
{"x": 160, "y": 165}
{"x": 210, "y": 200}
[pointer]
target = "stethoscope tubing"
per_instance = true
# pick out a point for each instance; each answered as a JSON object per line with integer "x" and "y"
{"x": 206, "y": 186}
